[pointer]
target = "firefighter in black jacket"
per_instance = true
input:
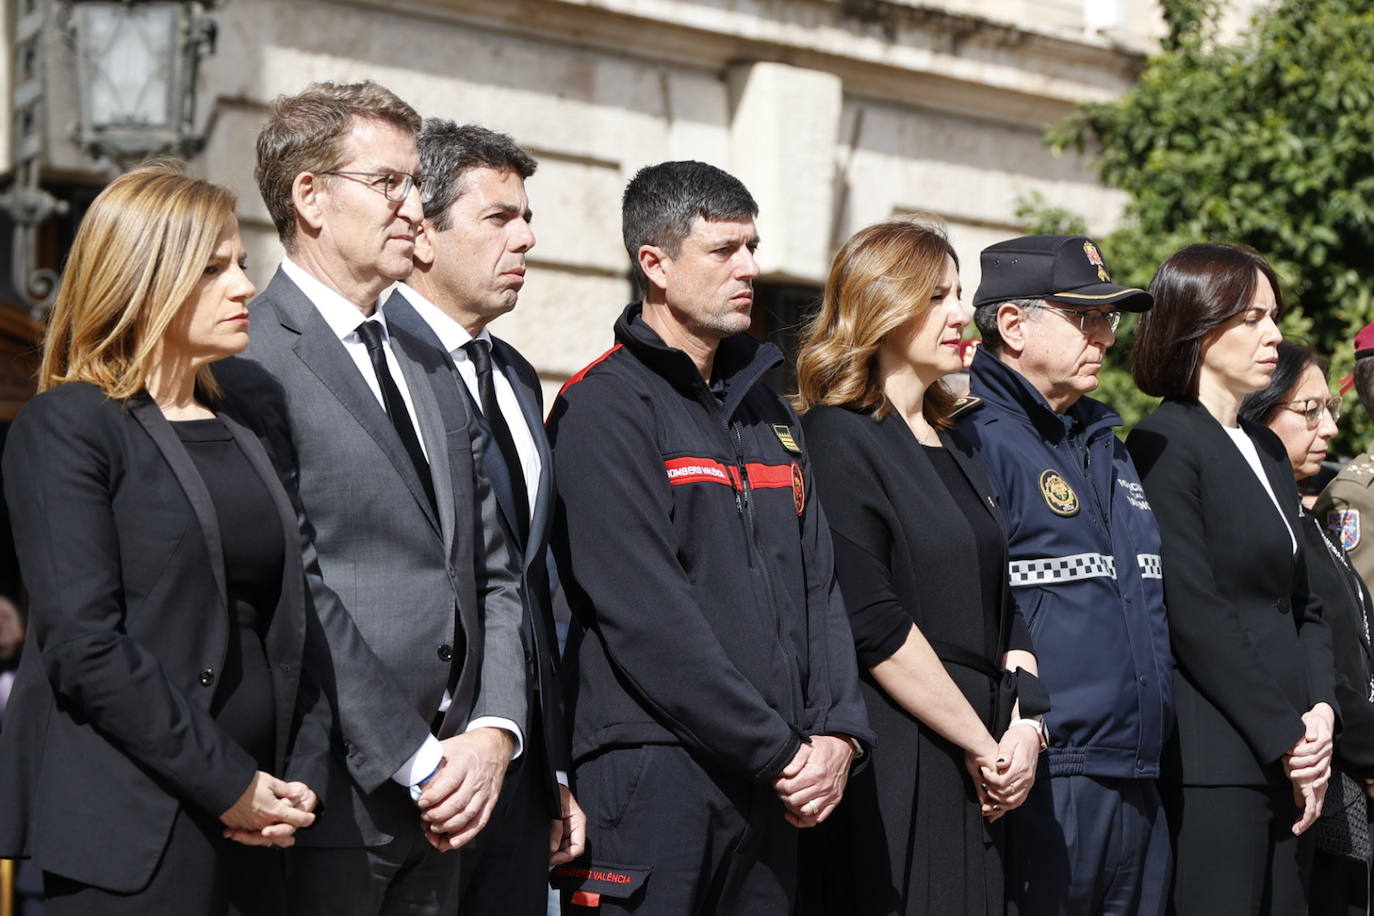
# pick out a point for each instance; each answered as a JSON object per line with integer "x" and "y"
{"x": 714, "y": 692}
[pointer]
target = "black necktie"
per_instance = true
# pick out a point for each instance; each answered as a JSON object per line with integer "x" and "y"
{"x": 479, "y": 352}
{"x": 371, "y": 334}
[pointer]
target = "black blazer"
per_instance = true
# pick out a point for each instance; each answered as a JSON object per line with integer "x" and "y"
{"x": 540, "y": 632}
{"x": 1349, "y": 613}
{"x": 108, "y": 730}
{"x": 1251, "y": 652}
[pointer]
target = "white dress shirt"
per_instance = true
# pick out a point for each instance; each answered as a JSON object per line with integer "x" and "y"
{"x": 343, "y": 318}
{"x": 1251, "y": 455}
{"x": 452, "y": 336}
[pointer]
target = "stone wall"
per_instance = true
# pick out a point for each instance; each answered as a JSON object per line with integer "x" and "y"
{"x": 836, "y": 113}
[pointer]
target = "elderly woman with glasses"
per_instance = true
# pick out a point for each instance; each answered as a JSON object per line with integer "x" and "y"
{"x": 1299, "y": 408}
{"x": 1246, "y": 771}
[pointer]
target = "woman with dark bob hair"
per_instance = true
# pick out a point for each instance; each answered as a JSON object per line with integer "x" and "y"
{"x": 1299, "y": 408}
{"x": 1245, "y": 773}
{"x": 157, "y": 691}
{"x": 921, "y": 557}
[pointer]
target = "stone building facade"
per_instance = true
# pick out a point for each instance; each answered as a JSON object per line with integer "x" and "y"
{"x": 835, "y": 113}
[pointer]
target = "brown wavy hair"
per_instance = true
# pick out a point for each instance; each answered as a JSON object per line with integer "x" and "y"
{"x": 138, "y": 254}
{"x": 882, "y": 278}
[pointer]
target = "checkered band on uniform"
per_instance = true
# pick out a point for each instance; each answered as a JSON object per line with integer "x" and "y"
{"x": 1062, "y": 569}
{"x": 1078, "y": 566}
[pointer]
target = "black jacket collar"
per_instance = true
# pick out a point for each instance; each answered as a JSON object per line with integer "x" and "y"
{"x": 741, "y": 360}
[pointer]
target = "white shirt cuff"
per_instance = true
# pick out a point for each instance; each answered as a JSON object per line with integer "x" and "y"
{"x": 421, "y": 764}
{"x": 562, "y": 777}
{"x": 504, "y": 724}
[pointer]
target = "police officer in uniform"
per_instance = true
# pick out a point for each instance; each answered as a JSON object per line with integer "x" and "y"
{"x": 1085, "y": 573}
{"x": 1347, "y": 503}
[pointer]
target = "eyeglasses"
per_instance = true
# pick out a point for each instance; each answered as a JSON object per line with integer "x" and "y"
{"x": 1311, "y": 409}
{"x": 394, "y": 186}
{"x": 1088, "y": 320}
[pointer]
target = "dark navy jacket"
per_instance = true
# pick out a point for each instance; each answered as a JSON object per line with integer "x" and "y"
{"x": 697, "y": 561}
{"x": 1085, "y": 572}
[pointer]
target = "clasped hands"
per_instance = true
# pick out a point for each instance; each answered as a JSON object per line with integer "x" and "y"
{"x": 1308, "y": 764}
{"x": 1003, "y": 772}
{"x": 813, "y": 782}
{"x": 269, "y": 812}
{"x": 459, "y": 797}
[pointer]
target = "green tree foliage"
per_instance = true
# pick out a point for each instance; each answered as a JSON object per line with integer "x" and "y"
{"x": 1267, "y": 142}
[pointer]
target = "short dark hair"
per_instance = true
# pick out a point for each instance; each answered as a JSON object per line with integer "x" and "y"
{"x": 449, "y": 150}
{"x": 1196, "y": 290}
{"x": 662, "y": 200}
{"x": 985, "y": 320}
{"x": 1364, "y": 383}
{"x": 305, "y": 133}
{"x": 1294, "y": 358}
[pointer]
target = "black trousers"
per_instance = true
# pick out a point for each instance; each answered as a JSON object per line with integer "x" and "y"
{"x": 506, "y": 867}
{"x": 711, "y": 843}
{"x": 1235, "y": 853}
{"x": 406, "y": 877}
{"x": 200, "y": 874}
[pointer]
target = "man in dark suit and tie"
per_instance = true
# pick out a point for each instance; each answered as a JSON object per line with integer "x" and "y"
{"x": 470, "y": 267}
{"x": 402, "y": 531}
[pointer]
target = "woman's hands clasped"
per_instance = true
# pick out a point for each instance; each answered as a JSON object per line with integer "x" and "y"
{"x": 1308, "y": 764}
{"x": 269, "y": 812}
{"x": 1004, "y": 773}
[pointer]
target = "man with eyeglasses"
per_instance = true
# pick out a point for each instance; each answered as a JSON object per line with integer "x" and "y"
{"x": 1085, "y": 573}
{"x": 417, "y": 648}
{"x": 1347, "y": 503}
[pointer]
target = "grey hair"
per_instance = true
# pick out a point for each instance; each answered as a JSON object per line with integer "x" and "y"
{"x": 449, "y": 150}
{"x": 985, "y": 319}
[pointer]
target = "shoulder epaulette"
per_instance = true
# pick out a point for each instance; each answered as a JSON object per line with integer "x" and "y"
{"x": 963, "y": 405}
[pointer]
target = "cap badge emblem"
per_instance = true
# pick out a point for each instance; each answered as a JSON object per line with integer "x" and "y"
{"x": 1095, "y": 259}
{"x": 1059, "y": 496}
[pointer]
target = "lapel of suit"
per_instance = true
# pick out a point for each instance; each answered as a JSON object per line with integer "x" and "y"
{"x": 323, "y": 354}
{"x": 529, "y": 400}
{"x": 419, "y": 364}
{"x": 285, "y": 637}
{"x": 973, "y": 470}
{"x": 1280, "y": 477}
{"x": 150, "y": 417}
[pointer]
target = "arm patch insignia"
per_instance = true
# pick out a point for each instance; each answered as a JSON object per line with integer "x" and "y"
{"x": 1345, "y": 525}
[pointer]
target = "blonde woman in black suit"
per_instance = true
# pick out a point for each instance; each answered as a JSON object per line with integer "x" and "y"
{"x": 1253, "y": 685}
{"x": 167, "y": 622}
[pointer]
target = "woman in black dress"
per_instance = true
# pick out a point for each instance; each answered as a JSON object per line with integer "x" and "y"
{"x": 167, "y": 621}
{"x": 1245, "y": 774}
{"x": 920, "y": 554}
{"x": 1300, "y": 409}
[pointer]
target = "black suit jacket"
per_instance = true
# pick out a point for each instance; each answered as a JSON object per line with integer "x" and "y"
{"x": 108, "y": 730}
{"x": 546, "y": 744}
{"x": 1251, "y": 652}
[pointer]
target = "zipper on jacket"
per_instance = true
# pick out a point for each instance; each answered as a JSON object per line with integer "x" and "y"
{"x": 745, "y": 494}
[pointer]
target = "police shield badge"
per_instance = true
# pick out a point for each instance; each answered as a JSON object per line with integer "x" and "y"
{"x": 1345, "y": 525}
{"x": 1059, "y": 496}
